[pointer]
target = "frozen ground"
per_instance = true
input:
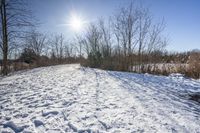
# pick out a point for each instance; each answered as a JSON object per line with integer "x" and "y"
{"x": 68, "y": 98}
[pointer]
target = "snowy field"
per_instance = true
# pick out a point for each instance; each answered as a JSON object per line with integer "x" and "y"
{"x": 69, "y": 98}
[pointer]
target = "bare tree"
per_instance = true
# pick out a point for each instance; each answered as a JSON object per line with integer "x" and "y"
{"x": 14, "y": 16}
{"x": 106, "y": 42}
{"x": 58, "y": 46}
{"x": 37, "y": 42}
{"x": 105, "y": 29}
{"x": 79, "y": 43}
{"x": 144, "y": 24}
{"x": 92, "y": 44}
{"x": 156, "y": 43}
{"x": 125, "y": 28}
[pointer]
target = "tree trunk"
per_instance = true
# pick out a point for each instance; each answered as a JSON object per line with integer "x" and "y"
{"x": 5, "y": 38}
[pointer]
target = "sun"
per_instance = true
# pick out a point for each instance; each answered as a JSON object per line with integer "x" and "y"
{"x": 76, "y": 23}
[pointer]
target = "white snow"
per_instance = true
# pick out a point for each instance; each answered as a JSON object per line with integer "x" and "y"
{"x": 70, "y": 98}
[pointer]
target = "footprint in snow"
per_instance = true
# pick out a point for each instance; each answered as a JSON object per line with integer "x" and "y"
{"x": 38, "y": 123}
{"x": 48, "y": 113}
{"x": 14, "y": 127}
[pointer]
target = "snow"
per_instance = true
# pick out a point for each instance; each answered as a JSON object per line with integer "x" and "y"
{"x": 70, "y": 98}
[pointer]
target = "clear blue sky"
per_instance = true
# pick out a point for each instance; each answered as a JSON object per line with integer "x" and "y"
{"x": 182, "y": 17}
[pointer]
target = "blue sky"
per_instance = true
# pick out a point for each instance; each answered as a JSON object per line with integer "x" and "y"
{"x": 182, "y": 17}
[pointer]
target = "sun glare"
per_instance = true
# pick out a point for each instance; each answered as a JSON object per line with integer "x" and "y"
{"x": 76, "y": 23}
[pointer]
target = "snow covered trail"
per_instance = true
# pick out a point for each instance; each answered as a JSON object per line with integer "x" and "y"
{"x": 69, "y": 98}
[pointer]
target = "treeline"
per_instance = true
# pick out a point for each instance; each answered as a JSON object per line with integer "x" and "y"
{"x": 38, "y": 50}
{"x": 130, "y": 40}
